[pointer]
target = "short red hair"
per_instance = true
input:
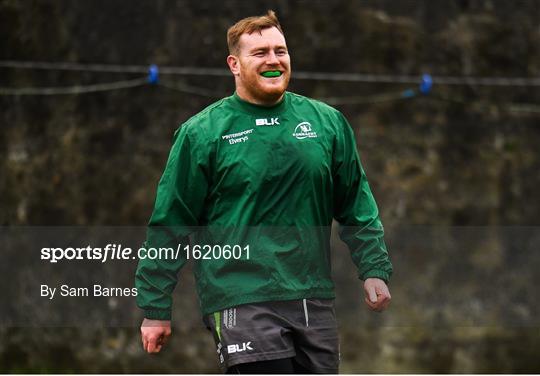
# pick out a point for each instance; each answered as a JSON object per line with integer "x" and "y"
{"x": 250, "y": 25}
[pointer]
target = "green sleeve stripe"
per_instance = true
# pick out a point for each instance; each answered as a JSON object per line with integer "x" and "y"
{"x": 217, "y": 319}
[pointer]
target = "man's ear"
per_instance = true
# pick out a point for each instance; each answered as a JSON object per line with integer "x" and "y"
{"x": 234, "y": 64}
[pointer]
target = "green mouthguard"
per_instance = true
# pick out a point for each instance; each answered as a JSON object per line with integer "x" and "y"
{"x": 271, "y": 74}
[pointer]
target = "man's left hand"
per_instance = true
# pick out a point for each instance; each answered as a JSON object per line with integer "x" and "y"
{"x": 377, "y": 294}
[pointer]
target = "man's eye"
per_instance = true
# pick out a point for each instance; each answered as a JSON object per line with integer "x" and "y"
{"x": 259, "y": 54}
{"x": 281, "y": 52}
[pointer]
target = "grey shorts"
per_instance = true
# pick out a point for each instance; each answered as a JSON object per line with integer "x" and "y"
{"x": 305, "y": 330}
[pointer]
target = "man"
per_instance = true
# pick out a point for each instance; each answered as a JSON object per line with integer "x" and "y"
{"x": 265, "y": 171}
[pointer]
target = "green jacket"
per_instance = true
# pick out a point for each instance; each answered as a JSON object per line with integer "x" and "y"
{"x": 271, "y": 178}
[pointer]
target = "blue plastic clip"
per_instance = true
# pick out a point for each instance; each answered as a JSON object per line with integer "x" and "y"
{"x": 153, "y": 74}
{"x": 426, "y": 84}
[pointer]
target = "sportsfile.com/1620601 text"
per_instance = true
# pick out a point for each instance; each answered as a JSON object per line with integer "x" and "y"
{"x": 118, "y": 252}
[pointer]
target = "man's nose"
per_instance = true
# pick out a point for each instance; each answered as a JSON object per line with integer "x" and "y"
{"x": 272, "y": 58}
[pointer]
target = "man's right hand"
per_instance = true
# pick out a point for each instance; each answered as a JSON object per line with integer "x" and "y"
{"x": 154, "y": 334}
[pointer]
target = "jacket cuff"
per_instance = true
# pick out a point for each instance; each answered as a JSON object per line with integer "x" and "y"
{"x": 376, "y": 274}
{"x": 157, "y": 314}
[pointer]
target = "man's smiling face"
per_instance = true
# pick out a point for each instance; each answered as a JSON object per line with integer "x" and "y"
{"x": 262, "y": 68}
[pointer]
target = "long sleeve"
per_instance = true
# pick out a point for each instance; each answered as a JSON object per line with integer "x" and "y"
{"x": 355, "y": 209}
{"x": 179, "y": 203}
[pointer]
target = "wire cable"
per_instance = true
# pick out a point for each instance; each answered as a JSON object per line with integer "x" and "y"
{"x": 516, "y": 108}
{"x": 370, "y": 99}
{"x": 188, "y": 89}
{"x": 78, "y": 89}
{"x": 524, "y": 108}
{"x": 302, "y": 75}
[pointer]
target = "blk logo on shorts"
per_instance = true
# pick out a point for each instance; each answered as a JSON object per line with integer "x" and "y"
{"x": 231, "y": 349}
